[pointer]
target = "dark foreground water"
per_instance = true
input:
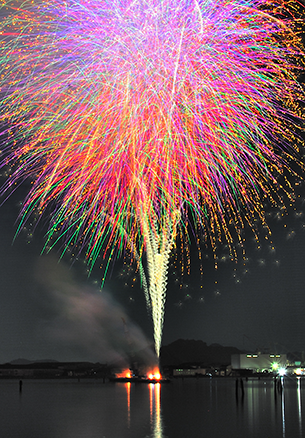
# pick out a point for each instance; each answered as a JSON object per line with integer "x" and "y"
{"x": 189, "y": 408}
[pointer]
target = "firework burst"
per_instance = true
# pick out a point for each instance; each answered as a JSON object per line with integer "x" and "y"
{"x": 132, "y": 115}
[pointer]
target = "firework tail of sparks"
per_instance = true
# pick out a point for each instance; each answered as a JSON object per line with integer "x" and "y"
{"x": 125, "y": 112}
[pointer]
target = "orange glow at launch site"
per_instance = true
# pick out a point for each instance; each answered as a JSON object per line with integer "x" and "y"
{"x": 155, "y": 375}
{"x": 125, "y": 373}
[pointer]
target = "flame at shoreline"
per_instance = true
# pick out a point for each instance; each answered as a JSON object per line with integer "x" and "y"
{"x": 155, "y": 375}
{"x": 124, "y": 374}
{"x": 152, "y": 374}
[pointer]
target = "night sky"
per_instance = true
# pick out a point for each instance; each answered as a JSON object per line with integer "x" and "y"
{"x": 50, "y": 309}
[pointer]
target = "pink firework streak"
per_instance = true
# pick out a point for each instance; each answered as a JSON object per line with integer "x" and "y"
{"x": 132, "y": 115}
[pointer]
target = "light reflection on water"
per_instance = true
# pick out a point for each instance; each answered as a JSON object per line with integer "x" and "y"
{"x": 155, "y": 409}
{"x": 128, "y": 384}
{"x": 300, "y": 405}
{"x": 279, "y": 401}
{"x": 283, "y": 408}
{"x": 192, "y": 408}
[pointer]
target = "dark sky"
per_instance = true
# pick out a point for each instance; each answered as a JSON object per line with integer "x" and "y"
{"x": 51, "y": 310}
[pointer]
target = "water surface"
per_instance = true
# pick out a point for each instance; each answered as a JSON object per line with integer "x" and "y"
{"x": 189, "y": 408}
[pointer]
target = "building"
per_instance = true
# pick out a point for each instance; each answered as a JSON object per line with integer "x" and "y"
{"x": 189, "y": 372}
{"x": 259, "y": 362}
{"x": 199, "y": 371}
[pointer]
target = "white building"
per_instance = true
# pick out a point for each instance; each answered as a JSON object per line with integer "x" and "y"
{"x": 259, "y": 362}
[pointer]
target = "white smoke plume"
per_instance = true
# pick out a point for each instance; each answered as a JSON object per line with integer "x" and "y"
{"x": 89, "y": 320}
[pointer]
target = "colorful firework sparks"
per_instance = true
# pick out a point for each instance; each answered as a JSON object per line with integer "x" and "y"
{"x": 132, "y": 115}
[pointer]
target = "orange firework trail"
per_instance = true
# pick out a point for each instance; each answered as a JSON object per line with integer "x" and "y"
{"x": 133, "y": 115}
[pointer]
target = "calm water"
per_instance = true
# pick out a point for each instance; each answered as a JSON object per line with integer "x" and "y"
{"x": 189, "y": 408}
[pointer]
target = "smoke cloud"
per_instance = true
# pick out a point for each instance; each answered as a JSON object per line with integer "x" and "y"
{"x": 89, "y": 320}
